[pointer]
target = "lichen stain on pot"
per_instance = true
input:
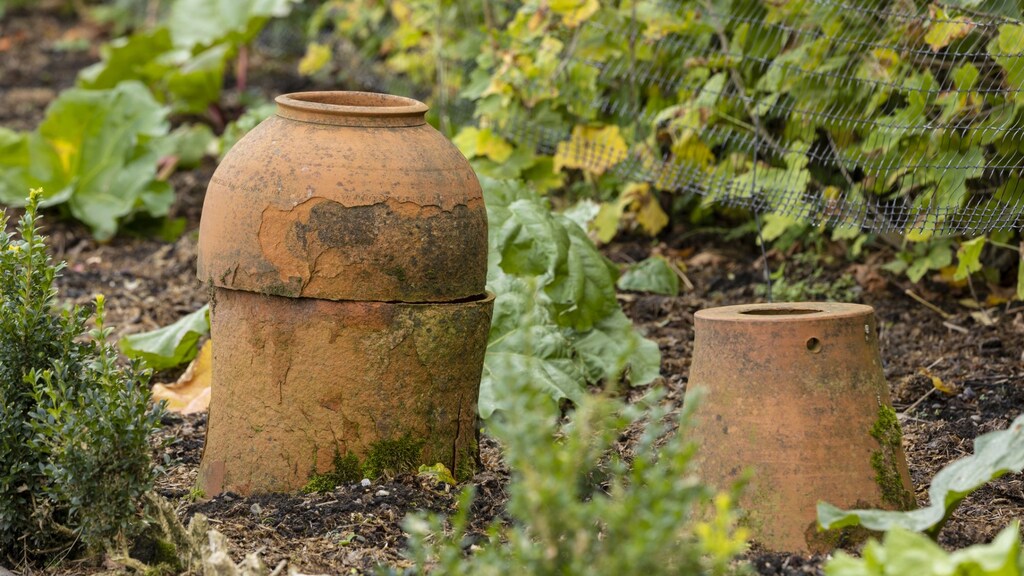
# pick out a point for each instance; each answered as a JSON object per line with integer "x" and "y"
{"x": 388, "y": 160}
{"x": 320, "y": 244}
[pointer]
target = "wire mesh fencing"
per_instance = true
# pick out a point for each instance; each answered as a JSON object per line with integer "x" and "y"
{"x": 884, "y": 116}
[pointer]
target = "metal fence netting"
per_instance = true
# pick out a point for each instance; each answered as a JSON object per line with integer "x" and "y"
{"x": 884, "y": 116}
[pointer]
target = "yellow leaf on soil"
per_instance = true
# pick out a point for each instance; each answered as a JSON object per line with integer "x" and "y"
{"x": 590, "y": 148}
{"x": 938, "y": 383}
{"x": 191, "y": 393}
{"x": 606, "y": 223}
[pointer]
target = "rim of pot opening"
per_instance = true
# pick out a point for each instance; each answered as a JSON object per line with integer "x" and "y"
{"x": 341, "y": 108}
{"x": 785, "y": 312}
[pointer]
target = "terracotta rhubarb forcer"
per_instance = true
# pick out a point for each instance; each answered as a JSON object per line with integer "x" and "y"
{"x": 795, "y": 394}
{"x": 345, "y": 241}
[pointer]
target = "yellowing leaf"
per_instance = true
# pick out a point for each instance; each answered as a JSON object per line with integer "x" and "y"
{"x": 649, "y": 214}
{"x": 1020, "y": 273}
{"x": 438, "y": 472}
{"x": 938, "y": 383}
{"x": 317, "y": 56}
{"x": 969, "y": 258}
{"x": 400, "y": 10}
{"x": 694, "y": 152}
{"x": 590, "y": 148}
{"x": 574, "y": 12}
{"x": 946, "y": 28}
{"x": 886, "y": 57}
{"x": 492, "y": 146}
{"x": 191, "y": 393}
{"x": 606, "y": 223}
{"x": 65, "y": 151}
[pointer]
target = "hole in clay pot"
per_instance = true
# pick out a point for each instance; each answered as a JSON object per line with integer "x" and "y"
{"x": 780, "y": 311}
{"x": 814, "y": 345}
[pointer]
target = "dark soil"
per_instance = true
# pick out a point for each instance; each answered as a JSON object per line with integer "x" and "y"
{"x": 149, "y": 283}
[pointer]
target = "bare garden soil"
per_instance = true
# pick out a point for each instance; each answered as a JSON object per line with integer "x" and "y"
{"x": 149, "y": 283}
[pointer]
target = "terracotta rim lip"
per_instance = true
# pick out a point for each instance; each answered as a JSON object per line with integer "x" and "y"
{"x": 785, "y": 312}
{"x": 345, "y": 108}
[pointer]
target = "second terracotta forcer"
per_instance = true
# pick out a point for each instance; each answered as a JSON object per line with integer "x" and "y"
{"x": 345, "y": 241}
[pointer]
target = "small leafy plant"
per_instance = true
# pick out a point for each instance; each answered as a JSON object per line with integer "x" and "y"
{"x": 903, "y": 552}
{"x": 74, "y": 425}
{"x": 576, "y": 506}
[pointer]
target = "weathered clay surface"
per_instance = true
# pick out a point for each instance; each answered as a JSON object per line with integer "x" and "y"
{"x": 345, "y": 196}
{"x": 296, "y": 380}
{"x": 791, "y": 392}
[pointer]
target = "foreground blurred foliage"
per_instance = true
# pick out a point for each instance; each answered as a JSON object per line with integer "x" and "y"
{"x": 74, "y": 425}
{"x": 902, "y": 552}
{"x": 577, "y": 505}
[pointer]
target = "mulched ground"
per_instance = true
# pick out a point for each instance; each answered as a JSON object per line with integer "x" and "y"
{"x": 149, "y": 283}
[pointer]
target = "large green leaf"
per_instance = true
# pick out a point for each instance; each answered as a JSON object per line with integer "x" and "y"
{"x": 651, "y": 275}
{"x": 97, "y": 150}
{"x": 187, "y": 80}
{"x": 529, "y": 241}
{"x": 613, "y": 346}
{"x": 995, "y": 454}
{"x": 171, "y": 345}
{"x": 203, "y": 22}
{"x": 107, "y": 143}
{"x": 585, "y": 292}
{"x": 130, "y": 57}
{"x": 556, "y": 320}
{"x": 525, "y": 344}
{"x": 902, "y": 553}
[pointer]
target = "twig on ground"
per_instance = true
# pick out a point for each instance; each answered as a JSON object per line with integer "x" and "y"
{"x": 919, "y": 400}
{"x": 682, "y": 275}
{"x": 920, "y": 300}
{"x": 956, "y": 328}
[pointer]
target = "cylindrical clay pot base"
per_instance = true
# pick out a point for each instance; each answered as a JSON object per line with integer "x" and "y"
{"x": 795, "y": 394}
{"x": 300, "y": 380}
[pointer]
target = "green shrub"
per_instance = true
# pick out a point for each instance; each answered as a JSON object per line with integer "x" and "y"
{"x": 576, "y": 506}
{"x": 74, "y": 426}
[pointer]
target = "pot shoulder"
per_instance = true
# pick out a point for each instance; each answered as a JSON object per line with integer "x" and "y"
{"x": 345, "y": 213}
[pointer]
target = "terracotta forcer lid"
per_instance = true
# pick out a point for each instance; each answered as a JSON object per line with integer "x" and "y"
{"x": 345, "y": 196}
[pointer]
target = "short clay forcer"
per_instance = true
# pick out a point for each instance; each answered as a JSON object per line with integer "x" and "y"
{"x": 794, "y": 393}
{"x": 345, "y": 243}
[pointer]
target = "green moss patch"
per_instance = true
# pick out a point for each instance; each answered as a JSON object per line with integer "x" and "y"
{"x": 886, "y": 430}
{"x": 346, "y": 470}
{"x": 391, "y": 457}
